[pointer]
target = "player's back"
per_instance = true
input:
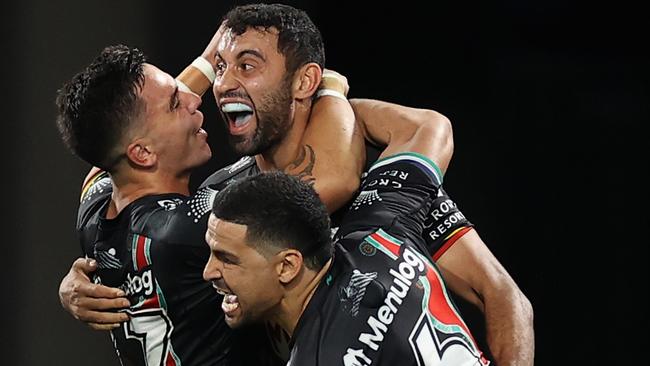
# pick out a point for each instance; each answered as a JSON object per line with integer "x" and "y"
{"x": 155, "y": 251}
{"x": 382, "y": 303}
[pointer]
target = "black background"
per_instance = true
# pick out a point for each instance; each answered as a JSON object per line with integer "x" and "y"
{"x": 546, "y": 98}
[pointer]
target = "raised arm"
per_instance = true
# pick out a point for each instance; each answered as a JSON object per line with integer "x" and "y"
{"x": 333, "y": 150}
{"x": 401, "y": 129}
{"x": 468, "y": 266}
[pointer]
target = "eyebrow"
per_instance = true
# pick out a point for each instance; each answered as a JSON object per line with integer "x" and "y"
{"x": 173, "y": 98}
{"x": 251, "y": 52}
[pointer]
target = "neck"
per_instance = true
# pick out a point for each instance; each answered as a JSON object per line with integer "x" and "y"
{"x": 130, "y": 186}
{"x": 285, "y": 152}
{"x": 297, "y": 298}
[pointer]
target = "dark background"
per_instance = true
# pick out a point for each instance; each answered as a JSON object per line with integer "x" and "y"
{"x": 546, "y": 98}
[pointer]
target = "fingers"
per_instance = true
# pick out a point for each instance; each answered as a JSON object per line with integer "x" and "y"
{"x": 84, "y": 265}
{"x": 89, "y": 289}
{"x": 97, "y": 326}
{"x": 91, "y": 303}
{"x": 333, "y": 80}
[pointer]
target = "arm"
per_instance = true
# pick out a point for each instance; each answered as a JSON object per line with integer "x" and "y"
{"x": 199, "y": 75}
{"x": 472, "y": 272}
{"x": 469, "y": 268}
{"x": 90, "y": 302}
{"x": 404, "y": 129}
{"x": 333, "y": 150}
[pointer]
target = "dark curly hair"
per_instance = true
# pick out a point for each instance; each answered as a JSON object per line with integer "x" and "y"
{"x": 280, "y": 211}
{"x": 98, "y": 104}
{"x": 299, "y": 41}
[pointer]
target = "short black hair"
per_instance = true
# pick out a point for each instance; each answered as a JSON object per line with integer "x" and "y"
{"x": 97, "y": 105}
{"x": 280, "y": 211}
{"x": 299, "y": 40}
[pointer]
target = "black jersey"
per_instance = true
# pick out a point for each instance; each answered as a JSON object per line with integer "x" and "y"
{"x": 383, "y": 301}
{"x": 444, "y": 223}
{"x": 155, "y": 251}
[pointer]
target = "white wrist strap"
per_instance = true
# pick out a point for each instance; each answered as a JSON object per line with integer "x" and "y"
{"x": 331, "y": 93}
{"x": 205, "y": 67}
{"x": 183, "y": 87}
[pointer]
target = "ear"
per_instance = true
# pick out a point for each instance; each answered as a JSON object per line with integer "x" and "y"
{"x": 140, "y": 154}
{"x": 290, "y": 265}
{"x": 306, "y": 81}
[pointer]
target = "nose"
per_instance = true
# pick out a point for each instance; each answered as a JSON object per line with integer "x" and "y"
{"x": 225, "y": 82}
{"x": 212, "y": 270}
{"x": 190, "y": 100}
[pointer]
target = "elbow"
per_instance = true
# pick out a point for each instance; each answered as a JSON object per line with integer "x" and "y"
{"x": 527, "y": 309}
{"x": 439, "y": 132}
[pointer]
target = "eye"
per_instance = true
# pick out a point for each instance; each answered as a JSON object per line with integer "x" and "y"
{"x": 220, "y": 68}
{"x": 247, "y": 67}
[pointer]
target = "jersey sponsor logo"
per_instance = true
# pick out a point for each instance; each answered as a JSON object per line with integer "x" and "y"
{"x": 352, "y": 294}
{"x": 201, "y": 203}
{"x": 448, "y": 212}
{"x": 366, "y": 198}
{"x": 239, "y": 164}
{"x": 410, "y": 267}
{"x": 139, "y": 284}
{"x": 170, "y": 205}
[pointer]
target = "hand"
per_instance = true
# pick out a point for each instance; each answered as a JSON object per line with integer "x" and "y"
{"x": 89, "y": 302}
{"x": 210, "y": 52}
{"x": 334, "y": 81}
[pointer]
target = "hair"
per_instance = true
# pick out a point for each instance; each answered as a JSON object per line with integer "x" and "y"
{"x": 96, "y": 106}
{"x": 299, "y": 41}
{"x": 280, "y": 211}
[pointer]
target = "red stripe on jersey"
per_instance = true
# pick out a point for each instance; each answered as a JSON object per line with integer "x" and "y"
{"x": 438, "y": 305}
{"x": 151, "y": 303}
{"x": 450, "y": 242}
{"x": 170, "y": 360}
{"x": 141, "y": 258}
{"x": 391, "y": 246}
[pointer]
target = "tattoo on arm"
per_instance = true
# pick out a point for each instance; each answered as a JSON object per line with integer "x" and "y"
{"x": 306, "y": 158}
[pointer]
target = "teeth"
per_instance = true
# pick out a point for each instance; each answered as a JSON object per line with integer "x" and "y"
{"x": 229, "y": 303}
{"x": 236, "y": 107}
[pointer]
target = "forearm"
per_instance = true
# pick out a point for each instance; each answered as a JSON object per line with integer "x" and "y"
{"x": 472, "y": 272}
{"x": 401, "y": 128}
{"x": 509, "y": 327}
{"x": 199, "y": 75}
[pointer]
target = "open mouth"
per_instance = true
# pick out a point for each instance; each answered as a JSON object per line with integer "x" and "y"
{"x": 238, "y": 115}
{"x": 230, "y": 301}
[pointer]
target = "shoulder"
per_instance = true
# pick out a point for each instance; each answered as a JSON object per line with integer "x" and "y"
{"x": 175, "y": 218}
{"x": 94, "y": 195}
{"x": 241, "y": 168}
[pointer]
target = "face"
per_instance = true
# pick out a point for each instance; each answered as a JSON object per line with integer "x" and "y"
{"x": 172, "y": 123}
{"x": 252, "y": 90}
{"x": 247, "y": 279}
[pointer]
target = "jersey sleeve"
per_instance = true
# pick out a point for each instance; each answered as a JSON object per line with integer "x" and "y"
{"x": 93, "y": 196}
{"x": 395, "y": 196}
{"x": 224, "y": 176}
